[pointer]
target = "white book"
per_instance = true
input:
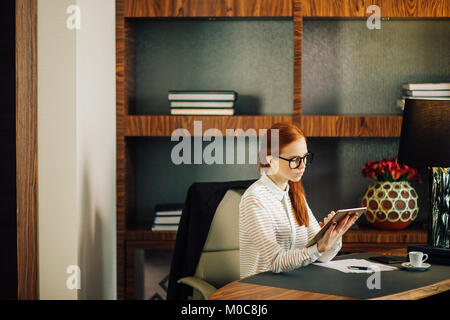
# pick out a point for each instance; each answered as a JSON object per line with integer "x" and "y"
{"x": 165, "y": 228}
{"x": 202, "y": 96}
{"x": 202, "y": 104}
{"x": 167, "y": 220}
{"x": 425, "y": 93}
{"x": 426, "y": 98}
{"x": 427, "y": 86}
{"x": 209, "y": 112}
{"x": 168, "y": 213}
{"x": 401, "y": 102}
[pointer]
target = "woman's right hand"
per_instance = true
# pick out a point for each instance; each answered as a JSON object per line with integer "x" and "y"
{"x": 334, "y": 232}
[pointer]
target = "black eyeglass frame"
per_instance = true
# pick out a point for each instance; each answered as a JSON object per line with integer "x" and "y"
{"x": 302, "y": 159}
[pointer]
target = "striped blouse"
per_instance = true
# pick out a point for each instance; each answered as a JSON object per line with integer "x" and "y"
{"x": 269, "y": 236}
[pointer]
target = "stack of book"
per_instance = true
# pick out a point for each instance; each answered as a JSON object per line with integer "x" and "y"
{"x": 205, "y": 102}
{"x": 167, "y": 217}
{"x": 431, "y": 91}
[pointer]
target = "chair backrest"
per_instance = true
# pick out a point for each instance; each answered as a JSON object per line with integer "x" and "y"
{"x": 219, "y": 261}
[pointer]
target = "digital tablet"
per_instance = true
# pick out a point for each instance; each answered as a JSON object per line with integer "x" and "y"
{"x": 340, "y": 214}
{"x": 388, "y": 259}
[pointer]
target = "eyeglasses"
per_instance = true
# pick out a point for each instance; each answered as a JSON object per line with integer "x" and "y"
{"x": 295, "y": 162}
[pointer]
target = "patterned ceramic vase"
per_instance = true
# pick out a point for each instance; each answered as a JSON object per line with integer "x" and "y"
{"x": 391, "y": 205}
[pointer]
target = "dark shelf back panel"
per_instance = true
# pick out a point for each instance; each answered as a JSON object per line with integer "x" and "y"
{"x": 159, "y": 180}
{"x": 349, "y": 69}
{"x": 252, "y": 57}
{"x": 334, "y": 181}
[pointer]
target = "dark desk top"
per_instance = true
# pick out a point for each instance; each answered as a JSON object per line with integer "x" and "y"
{"x": 316, "y": 279}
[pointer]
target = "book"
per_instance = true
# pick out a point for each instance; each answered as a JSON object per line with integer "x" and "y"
{"x": 210, "y": 112}
{"x": 427, "y": 86}
{"x": 401, "y": 102}
{"x": 165, "y": 227}
{"x": 426, "y": 93}
{"x": 202, "y": 104}
{"x": 214, "y": 95}
{"x": 166, "y": 219}
{"x": 426, "y": 98}
{"x": 168, "y": 213}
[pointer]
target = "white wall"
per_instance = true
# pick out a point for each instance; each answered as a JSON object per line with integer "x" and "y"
{"x": 76, "y": 149}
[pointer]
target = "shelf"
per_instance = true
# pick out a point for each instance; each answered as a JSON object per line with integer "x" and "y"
{"x": 392, "y": 8}
{"x": 148, "y": 235}
{"x": 351, "y": 126}
{"x": 284, "y": 8}
{"x": 388, "y": 237}
{"x": 366, "y": 236}
{"x": 164, "y": 125}
{"x": 209, "y": 8}
{"x": 313, "y": 126}
{"x": 130, "y": 125}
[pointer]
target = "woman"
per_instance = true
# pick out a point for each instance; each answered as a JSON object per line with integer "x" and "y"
{"x": 275, "y": 221}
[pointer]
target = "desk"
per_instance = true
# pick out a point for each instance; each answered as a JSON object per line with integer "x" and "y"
{"x": 248, "y": 291}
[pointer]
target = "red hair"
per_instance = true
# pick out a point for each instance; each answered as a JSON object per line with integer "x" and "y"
{"x": 287, "y": 133}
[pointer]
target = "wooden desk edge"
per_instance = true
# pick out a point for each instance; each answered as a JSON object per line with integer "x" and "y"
{"x": 419, "y": 293}
{"x": 246, "y": 291}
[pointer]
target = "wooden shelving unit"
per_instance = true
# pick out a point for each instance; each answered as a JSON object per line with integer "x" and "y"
{"x": 164, "y": 125}
{"x": 130, "y": 125}
{"x": 313, "y": 126}
{"x": 393, "y": 242}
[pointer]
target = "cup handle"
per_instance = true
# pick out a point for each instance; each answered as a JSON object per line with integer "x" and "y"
{"x": 425, "y": 256}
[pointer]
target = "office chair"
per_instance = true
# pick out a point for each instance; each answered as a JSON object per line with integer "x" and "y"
{"x": 219, "y": 261}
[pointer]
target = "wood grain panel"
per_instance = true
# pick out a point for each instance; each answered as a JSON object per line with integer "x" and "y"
{"x": 407, "y": 236}
{"x": 351, "y": 126}
{"x": 208, "y": 8}
{"x": 297, "y": 81}
{"x": 120, "y": 149}
{"x": 399, "y": 250}
{"x": 121, "y": 265}
{"x": 163, "y": 126}
{"x": 129, "y": 68}
{"x": 168, "y": 237}
{"x": 130, "y": 273}
{"x": 419, "y": 293}
{"x": 130, "y": 183}
{"x": 26, "y": 149}
{"x": 313, "y": 126}
{"x": 389, "y": 8}
{"x": 246, "y": 291}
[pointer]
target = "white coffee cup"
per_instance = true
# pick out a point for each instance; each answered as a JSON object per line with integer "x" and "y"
{"x": 416, "y": 258}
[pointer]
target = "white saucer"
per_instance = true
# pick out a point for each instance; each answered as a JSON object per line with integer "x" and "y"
{"x": 408, "y": 266}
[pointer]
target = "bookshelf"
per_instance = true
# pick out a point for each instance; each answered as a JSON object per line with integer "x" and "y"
{"x": 133, "y": 126}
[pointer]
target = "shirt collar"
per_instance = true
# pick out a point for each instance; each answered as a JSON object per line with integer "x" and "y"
{"x": 276, "y": 191}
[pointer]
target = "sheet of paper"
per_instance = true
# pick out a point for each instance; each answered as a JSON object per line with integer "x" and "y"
{"x": 342, "y": 265}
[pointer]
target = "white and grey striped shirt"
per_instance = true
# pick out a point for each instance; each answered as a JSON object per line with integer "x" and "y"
{"x": 269, "y": 236}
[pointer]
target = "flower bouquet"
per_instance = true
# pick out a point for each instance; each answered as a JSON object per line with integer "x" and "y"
{"x": 390, "y": 200}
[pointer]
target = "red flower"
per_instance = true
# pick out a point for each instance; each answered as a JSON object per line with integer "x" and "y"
{"x": 390, "y": 170}
{"x": 397, "y": 173}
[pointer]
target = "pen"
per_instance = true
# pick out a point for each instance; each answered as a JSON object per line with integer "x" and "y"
{"x": 358, "y": 268}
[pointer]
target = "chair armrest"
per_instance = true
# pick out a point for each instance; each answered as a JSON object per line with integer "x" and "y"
{"x": 204, "y": 287}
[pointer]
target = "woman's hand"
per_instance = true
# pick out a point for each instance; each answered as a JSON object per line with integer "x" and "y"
{"x": 325, "y": 221}
{"x": 335, "y": 232}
